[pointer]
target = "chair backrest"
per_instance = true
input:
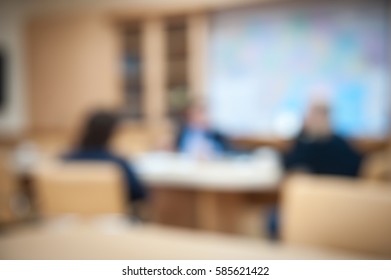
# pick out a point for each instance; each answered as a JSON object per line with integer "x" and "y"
{"x": 85, "y": 188}
{"x": 335, "y": 212}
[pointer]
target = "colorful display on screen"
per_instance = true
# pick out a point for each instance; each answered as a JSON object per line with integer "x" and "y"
{"x": 267, "y": 63}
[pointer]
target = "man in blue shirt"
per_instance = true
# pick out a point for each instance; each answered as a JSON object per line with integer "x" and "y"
{"x": 197, "y": 139}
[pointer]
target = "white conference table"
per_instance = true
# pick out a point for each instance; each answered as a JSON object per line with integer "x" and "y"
{"x": 207, "y": 194}
{"x": 260, "y": 172}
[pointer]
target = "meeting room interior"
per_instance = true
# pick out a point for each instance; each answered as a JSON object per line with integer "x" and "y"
{"x": 170, "y": 129}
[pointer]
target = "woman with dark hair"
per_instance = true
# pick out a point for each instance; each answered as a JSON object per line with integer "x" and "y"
{"x": 93, "y": 146}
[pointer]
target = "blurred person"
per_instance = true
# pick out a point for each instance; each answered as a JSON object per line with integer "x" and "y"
{"x": 196, "y": 138}
{"x": 319, "y": 150}
{"x": 93, "y": 146}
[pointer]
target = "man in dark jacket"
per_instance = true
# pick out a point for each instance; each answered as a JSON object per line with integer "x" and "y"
{"x": 319, "y": 150}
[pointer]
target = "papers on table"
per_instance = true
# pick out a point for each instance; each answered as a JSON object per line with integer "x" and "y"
{"x": 257, "y": 172}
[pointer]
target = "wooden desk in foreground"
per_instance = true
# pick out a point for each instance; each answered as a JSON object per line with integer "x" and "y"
{"x": 104, "y": 239}
{"x": 208, "y": 195}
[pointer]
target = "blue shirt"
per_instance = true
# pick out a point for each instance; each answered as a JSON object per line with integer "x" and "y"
{"x": 197, "y": 142}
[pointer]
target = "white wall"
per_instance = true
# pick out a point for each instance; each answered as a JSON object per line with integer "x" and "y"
{"x": 13, "y": 115}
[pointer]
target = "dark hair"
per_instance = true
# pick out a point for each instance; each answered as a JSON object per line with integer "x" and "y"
{"x": 98, "y": 130}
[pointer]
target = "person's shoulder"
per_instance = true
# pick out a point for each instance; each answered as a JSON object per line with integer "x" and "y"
{"x": 216, "y": 133}
{"x": 339, "y": 139}
{"x": 114, "y": 156}
{"x": 71, "y": 155}
{"x": 181, "y": 129}
{"x": 343, "y": 143}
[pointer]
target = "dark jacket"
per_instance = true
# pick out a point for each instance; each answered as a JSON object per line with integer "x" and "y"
{"x": 329, "y": 156}
{"x": 135, "y": 188}
{"x": 212, "y": 135}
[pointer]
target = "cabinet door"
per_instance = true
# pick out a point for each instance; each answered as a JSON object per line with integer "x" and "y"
{"x": 73, "y": 67}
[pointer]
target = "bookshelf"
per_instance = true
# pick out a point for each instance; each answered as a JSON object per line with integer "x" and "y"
{"x": 176, "y": 66}
{"x": 132, "y": 71}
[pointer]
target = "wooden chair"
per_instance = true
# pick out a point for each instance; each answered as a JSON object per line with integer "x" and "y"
{"x": 85, "y": 188}
{"x": 334, "y": 212}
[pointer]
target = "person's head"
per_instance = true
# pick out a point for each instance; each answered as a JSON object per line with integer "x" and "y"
{"x": 197, "y": 116}
{"x": 317, "y": 122}
{"x": 98, "y": 130}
